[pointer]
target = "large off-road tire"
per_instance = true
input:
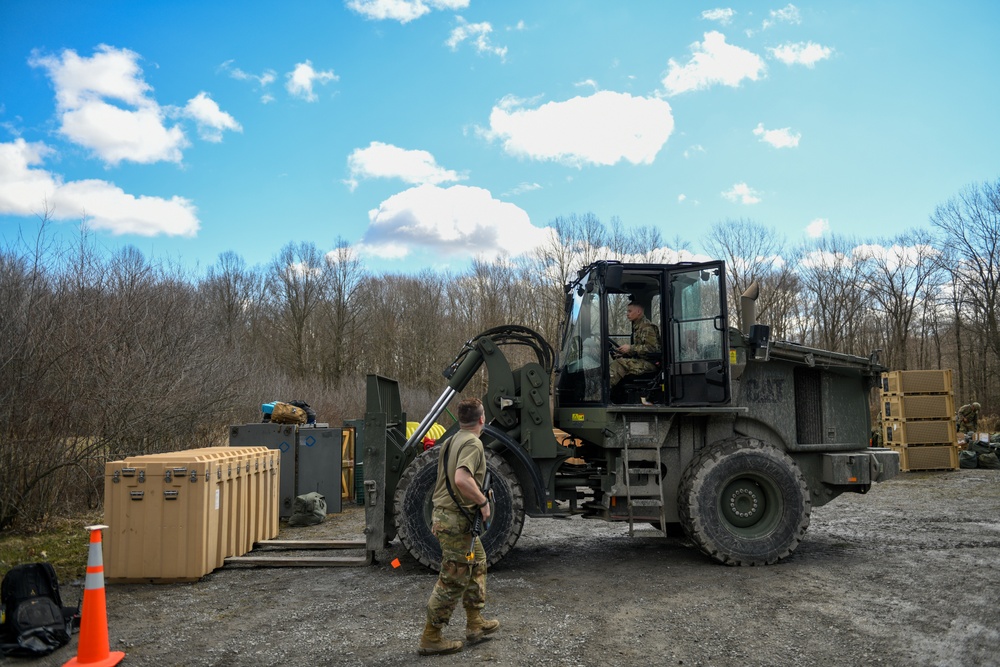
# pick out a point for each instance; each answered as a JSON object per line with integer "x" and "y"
{"x": 413, "y": 509}
{"x": 744, "y": 502}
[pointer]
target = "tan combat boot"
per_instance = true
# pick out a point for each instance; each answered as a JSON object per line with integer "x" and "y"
{"x": 477, "y": 627}
{"x": 431, "y": 642}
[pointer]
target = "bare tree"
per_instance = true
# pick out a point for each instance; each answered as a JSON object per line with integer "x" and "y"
{"x": 831, "y": 279}
{"x": 234, "y": 294}
{"x": 751, "y": 252}
{"x": 342, "y": 310}
{"x": 896, "y": 274}
{"x": 297, "y": 285}
{"x": 969, "y": 225}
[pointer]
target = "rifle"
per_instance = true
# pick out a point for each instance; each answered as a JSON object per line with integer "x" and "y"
{"x": 477, "y": 522}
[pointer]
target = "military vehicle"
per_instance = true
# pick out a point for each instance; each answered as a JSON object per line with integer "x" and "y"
{"x": 731, "y": 436}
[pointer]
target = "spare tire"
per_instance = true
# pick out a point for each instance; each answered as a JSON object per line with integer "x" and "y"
{"x": 413, "y": 509}
{"x": 744, "y": 502}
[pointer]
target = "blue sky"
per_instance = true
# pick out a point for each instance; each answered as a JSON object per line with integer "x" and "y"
{"x": 427, "y": 131}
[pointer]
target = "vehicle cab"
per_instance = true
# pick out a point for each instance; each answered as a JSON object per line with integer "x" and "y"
{"x": 685, "y": 302}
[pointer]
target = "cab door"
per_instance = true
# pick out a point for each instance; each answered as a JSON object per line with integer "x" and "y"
{"x": 698, "y": 335}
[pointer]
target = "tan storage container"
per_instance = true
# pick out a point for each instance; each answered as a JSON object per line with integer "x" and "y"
{"x": 927, "y": 457}
{"x": 222, "y": 459}
{"x": 347, "y": 464}
{"x": 272, "y": 494}
{"x": 917, "y": 382}
{"x": 908, "y": 407}
{"x": 163, "y": 518}
{"x": 242, "y": 537}
{"x": 176, "y": 516}
{"x": 928, "y": 432}
{"x": 255, "y": 475}
{"x": 258, "y": 461}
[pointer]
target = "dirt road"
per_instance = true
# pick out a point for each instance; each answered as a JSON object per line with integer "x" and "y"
{"x": 904, "y": 576}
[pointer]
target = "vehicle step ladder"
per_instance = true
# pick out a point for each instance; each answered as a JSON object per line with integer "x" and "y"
{"x": 643, "y": 501}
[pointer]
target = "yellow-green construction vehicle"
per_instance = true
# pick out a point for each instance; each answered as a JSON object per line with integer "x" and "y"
{"x": 729, "y": 435}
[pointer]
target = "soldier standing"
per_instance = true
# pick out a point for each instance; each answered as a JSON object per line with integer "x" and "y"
{"x": 457, "y": 497}
{"x": 645, "y": 340}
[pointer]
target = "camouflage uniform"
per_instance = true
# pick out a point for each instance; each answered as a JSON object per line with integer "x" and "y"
{"x": 967, "y": 418}
{"x": 459, "y": 579}
{"x": 645, "y": 339}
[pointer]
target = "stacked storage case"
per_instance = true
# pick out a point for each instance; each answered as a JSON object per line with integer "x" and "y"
{"x": 311, "y": 459}
{"x": 177, "y": 516}
{"x": 918, "y": 419}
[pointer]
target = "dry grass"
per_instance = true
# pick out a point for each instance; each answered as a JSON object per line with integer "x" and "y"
{"x": 62, "y": 542}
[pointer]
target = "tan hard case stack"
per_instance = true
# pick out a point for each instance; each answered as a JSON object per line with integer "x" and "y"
{"x": 918, "y": 419}
{"x": 177, "y": 516}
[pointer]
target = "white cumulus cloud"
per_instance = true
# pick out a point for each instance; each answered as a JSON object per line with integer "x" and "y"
{"x": 694, "y": 150}
{"x": 403, "y": 11}
{"x": 211, "y": 120}
{"x": 742, "y": 193}
{"x": 601, "y": 129}
{"x": 522, "y": 188}
{"x": 712, "y": 62}
{"x": 302, "y": 79}
{"x": 895, "y": 256}
{"x": 783, "y": 138}
{"x": 723, "y": 16}
{"x": 104, "y": 105}
{"x": 788, "y": 14}
{"x": 380, "y": 160}
{"x": 478, "y": 34}
{"x": 115, "y": 134}
{"x": 262, "y": 80}
{"x": 817, "y": 228}
{"x": 823, "y": 259}
{"x": 26, "y": 189}
{"x": 458, "y": 220}
{"x": 802, "y": 53}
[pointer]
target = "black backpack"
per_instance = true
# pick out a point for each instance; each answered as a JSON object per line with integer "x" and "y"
{"x": 35, "y": 622}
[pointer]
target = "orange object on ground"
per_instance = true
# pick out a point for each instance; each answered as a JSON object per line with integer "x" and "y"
{"x": 94, "y": 647}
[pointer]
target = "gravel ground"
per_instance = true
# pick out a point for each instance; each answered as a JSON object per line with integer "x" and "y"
{"x": 904, "y": 576}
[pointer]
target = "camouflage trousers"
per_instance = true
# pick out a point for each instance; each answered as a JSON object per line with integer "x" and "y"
{"x": 626, "y": 366}
{"x": 459, "y": 579}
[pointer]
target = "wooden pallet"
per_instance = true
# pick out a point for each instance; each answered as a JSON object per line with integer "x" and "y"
{"x": 305, "y": 561}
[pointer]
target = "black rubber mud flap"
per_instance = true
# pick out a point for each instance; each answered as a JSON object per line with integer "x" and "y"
{"x": 413, "y": 509}
{"x": 744, "y": 502}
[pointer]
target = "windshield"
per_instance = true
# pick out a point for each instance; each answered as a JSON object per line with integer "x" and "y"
{"x": 582, "y": 349}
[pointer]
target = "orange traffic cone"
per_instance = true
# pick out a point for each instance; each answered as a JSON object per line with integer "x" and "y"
{"x": 94, "y": 647}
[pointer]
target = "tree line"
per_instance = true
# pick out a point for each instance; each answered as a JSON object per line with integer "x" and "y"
{"x": 108, "y": 355}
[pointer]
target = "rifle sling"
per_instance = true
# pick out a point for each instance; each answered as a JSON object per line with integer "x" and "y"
{"x": 447, "y": 482}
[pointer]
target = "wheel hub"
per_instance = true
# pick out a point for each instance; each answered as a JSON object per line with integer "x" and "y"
{"x": 743, "y": 503}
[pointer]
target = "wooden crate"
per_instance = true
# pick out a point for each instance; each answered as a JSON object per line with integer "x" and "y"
{"x": 927, "y": 457}
{"x": 926, "y": 432}
{"x": 917, "y": 382}
{"x": 907, "y": 407}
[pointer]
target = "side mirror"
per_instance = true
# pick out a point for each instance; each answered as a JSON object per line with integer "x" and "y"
{"x": 613, "y": 278}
